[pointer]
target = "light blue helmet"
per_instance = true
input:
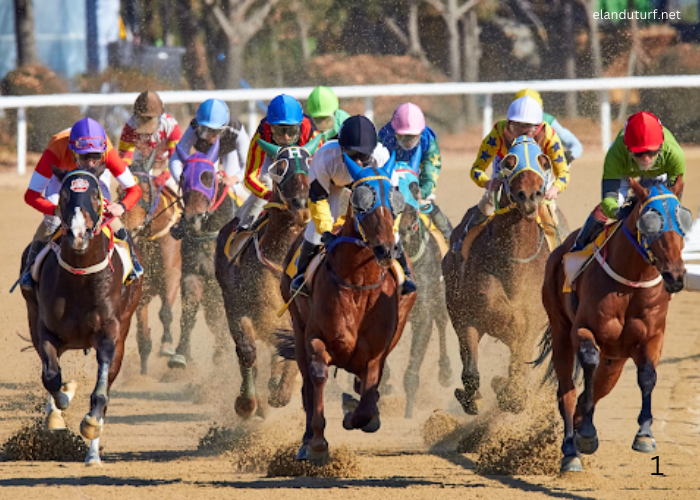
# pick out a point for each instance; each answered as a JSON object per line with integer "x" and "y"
{"x": 284, "y": 110}
{"x": 213, "y": 113}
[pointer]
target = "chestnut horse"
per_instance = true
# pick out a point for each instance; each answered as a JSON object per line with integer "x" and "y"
{"x": 207, "y": 208}
{"x": 354, "y": 315}
{"x": 493, "y": 290}
{"x": 250, "y": 281}
{"x": 424, "y": 252}
{"x": 616, "y": 311}
{"x": 79, "y": 302}
{"x": 149, "y": 222}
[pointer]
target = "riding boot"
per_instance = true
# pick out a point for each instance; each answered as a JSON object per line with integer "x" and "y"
{"x": 26, "y": 281}
{"x": 442, "y": 223}
{"x": 306, "y": 254}
{"x": 591, "y": 228}
{"x": 477, "y": 219}
{"x": 137, "y": 270}
{"x": 408, "y": 285}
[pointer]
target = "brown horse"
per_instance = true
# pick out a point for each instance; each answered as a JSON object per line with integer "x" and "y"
{"x": 149, "y": 222}
{"x": 80, "y": 302}
{"x": 354, "y": 315}
{"x": 207, "y": 208}
{"x": 610, "y": 318}
{"x": 250, "y": 280}
{"x": 492, "y": 289}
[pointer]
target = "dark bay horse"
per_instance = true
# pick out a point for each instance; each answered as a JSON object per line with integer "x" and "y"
{"x": 207, "y": 208}
{"x": 250, "y": 281}
{"x": 80, "y": 302}
{"x": 354, "y": 315}
{"x": 617, "y": 311}
{"x": 493, "y": 289}
{"x": 424, "y": 252}
{"x": 149, "y": 222}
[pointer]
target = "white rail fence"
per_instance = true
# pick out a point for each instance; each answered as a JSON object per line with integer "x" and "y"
{"x": 486, "y": 89}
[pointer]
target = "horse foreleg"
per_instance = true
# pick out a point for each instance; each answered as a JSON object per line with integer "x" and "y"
{"x": 143, "y": 335}
{"x": 281, "y": 380}
{"x": 214, "y": 317}
{"x": 91, "y": 426}
{"x": 445, "y": 373}
{"x": 366, "y": 415}
{"x": 646, "y": 378}
{"x": 191, "y": 294}
{"x": 244, "y": 336}
{"x": 48, "y": 349}
{"x": 318, "y": 376}
{"x": 589, "y": 358}
{"x": 172, "y": 274}
{"x": 421, "y": 329}
{"x": 469, "y": 352}
{"x": 563, "y": 361}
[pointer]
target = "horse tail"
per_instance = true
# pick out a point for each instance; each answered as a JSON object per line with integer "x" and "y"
{"x": 545, "y": 346}
{"x": 285, "y": 343}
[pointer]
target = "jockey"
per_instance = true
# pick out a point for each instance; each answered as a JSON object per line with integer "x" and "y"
{"x": 322, "y": 107}
{"x": 572, "y": 146}
{"x": 643, "y": 148}
{"x": 85, "y": 145}
{"x": 284, "y": 125}
{"x": 403, "y": 134}
{"x": 524, "y": 118}
{"x": 150, "y": 128}
{"x": 329, "y": 176}
{"x": 213, "y": 122}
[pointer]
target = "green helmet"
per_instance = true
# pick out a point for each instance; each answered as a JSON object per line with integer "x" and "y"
{"x": 321, "y": 102}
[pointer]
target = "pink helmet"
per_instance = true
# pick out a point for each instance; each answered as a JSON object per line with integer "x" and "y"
{"x": 408, "y": 119}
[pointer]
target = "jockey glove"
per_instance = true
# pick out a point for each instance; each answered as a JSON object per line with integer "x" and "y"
{"x": 569, "y": 156}
{"x": 327, "y": 238}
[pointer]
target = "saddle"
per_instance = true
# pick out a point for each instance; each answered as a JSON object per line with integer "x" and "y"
{"x": 121, "y": 246}
{"x": 237, "y": 241}
{"x": 575, "y": 262}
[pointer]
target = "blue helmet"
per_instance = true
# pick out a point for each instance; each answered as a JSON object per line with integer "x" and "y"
{"x": 213, "y": 113}
{"x": 284, "y": 110}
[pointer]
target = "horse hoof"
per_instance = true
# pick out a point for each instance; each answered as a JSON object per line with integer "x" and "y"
{"x": 347, "y": 421}
{"x": 373, "y": 425}
{"x": 445, "y": 376}
{"x": 586, "y": 445}
{"x": 92, "y": 460}
{"x": 350, "y": 404}
{"x": 277, "y": 400}
{"x": 571, "y": 464}
{"x": 274, "y": 383}
{"x": 498, "y": 384}
{"x": 318, "y": 458}
{"x": 508, "y": 404}
{"x": 245, "y": 407}
{"x": 166, "y": 350}
{"x": 303, "y": 453}
{"x": 177, "y": 361}
{"x": 468, "y": 403}
{"x": 644, "y": 444}
{"x": 55, "y": 422}
{"x": 91, "y": 427}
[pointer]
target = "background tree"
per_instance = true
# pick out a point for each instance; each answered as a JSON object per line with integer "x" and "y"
{"x": 24, "y": 31}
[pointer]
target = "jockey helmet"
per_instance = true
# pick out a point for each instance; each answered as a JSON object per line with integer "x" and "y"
{"x": 213, "y": 114}
{"x": 87, "y": 136}
{"x": 408, "y": 119}
{"x": 321, "y": 102}
{"x": 643, "y": 132}
{"x": 530, "y": 93}
{"x": 284, "y": 110}
{"x": 525, "y": 110}
{"x": 358, "y": 134}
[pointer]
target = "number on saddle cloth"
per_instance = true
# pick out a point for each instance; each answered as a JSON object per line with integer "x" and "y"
{"x": 194, "y": 169}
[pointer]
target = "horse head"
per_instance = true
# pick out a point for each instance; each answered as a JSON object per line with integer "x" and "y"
{"x": 405, "y": 176}
{"x": 290, "y": 174}
{"x": 80, "y": 205}
{"x": 375, "y": 204}
{"x": 661, "y": 223}
{"x": 524, "y": 167}
{"x": 199, "y": 184}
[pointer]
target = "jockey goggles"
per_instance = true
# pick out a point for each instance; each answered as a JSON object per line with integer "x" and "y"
{"x": 87, "y": 142}
{"x": 519, "y": 128}
{"x": 84, "y": 158}
{"x": 356, "y": 156}
{"x": 407, "y": 141}
{"x": 208, "y": 133}
{"x": 286, "y": 135}
{"x": 646, "y": 153}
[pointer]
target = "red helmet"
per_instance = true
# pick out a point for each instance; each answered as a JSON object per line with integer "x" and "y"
{"x": 643, "y": 132}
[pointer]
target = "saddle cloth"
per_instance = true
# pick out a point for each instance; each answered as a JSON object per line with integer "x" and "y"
{"x": 575, "y": 262}
{"x": 238, "y": 240}
{"x": 121, "y": 246}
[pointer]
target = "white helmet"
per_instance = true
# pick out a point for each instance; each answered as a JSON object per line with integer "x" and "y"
{"x": 525, "y": 110}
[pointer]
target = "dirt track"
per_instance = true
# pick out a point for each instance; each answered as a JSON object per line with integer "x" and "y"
{"x": 155, "y": 423}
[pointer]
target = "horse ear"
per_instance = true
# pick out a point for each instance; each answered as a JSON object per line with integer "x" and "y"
{"x": 60, "y": 174}
{"x": 181, "y": 153}
{"x": 353, "y": 168}
{"x": 641, "y": 193}
{"x": 213, "y": 153}
{"x": 677, "y": 187}
{"x": 312, "y": 145}
{"x": 389, "y": 165}
{"x": 270, "y": 149}
{"x": 416, "y": 159}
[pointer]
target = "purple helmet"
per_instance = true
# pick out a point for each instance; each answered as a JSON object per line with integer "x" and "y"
{"x": 87, "y": 136}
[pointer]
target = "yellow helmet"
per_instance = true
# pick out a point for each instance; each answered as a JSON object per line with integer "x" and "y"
{"x": 530, "y": 93}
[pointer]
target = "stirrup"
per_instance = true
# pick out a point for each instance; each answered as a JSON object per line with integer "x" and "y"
{"x": 298, "y": 286}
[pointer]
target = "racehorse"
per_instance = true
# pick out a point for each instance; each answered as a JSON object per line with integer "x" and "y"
{"x": 79, "y": 301}
{"x": 492, "y": 288}
{"x": 354, "y": 315}
{"x": 149, "y": 222}
{"x": 250, "y": 279}
{"x": 616, "y": 310}
{"x": 424, "y": 253}
{"x": 207, "y": 208}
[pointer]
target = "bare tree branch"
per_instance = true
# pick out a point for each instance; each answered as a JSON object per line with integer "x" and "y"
{"x": 255, "y": 22}
{"x": 437, "y": 5}
{"x": 463, "y": 9}
{"x": 223, "y": 21}
{"x": 525, "y": 7}
{"x": 397, "y": 31}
